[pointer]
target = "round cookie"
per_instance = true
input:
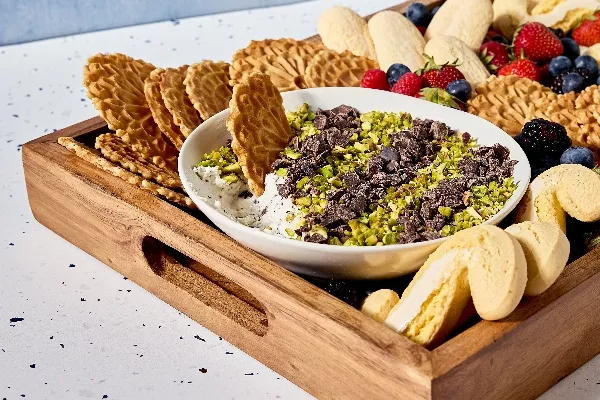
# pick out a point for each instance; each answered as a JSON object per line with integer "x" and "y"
{"x": 546, "y": 250}
{"x": 540, "y": 202}
{"x": 379, "y": 304}
{"x": 497, "y": 271}
{"x": 579, "y": 193}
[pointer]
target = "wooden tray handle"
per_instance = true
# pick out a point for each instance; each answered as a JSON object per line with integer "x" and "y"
{"x": 205, "y": 285}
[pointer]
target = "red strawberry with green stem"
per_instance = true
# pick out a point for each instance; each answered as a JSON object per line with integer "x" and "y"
{"x": 536, "y": 42}
{"x": 439, "y": 76}
{"x": 494, "y": 55}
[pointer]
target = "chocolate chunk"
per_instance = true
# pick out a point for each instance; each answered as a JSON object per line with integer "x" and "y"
{"x": 392, "y": 166}
{"x": 430, "y": 235}
{"x": 374, "y": 165}
{"x": 469, "y": 167}
{"x": 245, "y": 194}
{"x": 336, "y": 137}
{"x": 502, "y": 152}
{"x": 336, "y": 212}
{"x": 345, "y": 110}
{"x": 421, "y": 129}
{"x": 388, "y": 154}
{"x": 357, "y": 203}
{"x": 339, "y": 230}
{"x": 466, "y": 137}
{"x": 286, "y": 189}
{"x": 437, "y": 223}
{"x": 351, "y": 179}
{"x": 320, "y": 121}
{"x": 439, "y": 130}
{"x": 335, "y": 194}
{"x": 314, "y": 145}
{"x": 315, "y": 238}
{"x": 281, "y": 163}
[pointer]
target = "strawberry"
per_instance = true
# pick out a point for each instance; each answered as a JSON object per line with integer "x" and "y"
{"x": 536, "y": 42}
{"x": 375, "y": 79}
{"x": 494, "y": 55}
{"x": 422, "y": 29}
{"x": 409, "y": 84}
{"x": 491, "y": 33}
{"x": 588, "y": 33}
{"x": 439, "y": 76}
{"x": 522, "y": 68}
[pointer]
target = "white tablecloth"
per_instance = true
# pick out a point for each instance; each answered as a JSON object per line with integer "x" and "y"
{"x": 86, "y": 331}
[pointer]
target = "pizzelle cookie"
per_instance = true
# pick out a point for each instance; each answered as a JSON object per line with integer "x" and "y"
{"x": 546, "y": 250}
{"x": 343, "y": 29}
{"x": 284, "y": 60}
{"x": 259, "y": 128}
{"x": 207, "y": 85}
{"x": 161, "y": 115}
{"x": 115, "y": 84}
{"x": 176, "y": 100}
{"x": 333, "y": 69}
{"x": 90, "y": 155}
{"x": 116, "y": 150}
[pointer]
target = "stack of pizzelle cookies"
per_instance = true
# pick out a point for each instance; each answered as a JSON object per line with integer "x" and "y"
{"x": 151, "y": 111}
{"x": 491, "y": 268}
{"x": 509, "y": 102}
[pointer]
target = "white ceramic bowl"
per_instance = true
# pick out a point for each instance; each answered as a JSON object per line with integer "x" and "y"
{"x": 342, "y": 261}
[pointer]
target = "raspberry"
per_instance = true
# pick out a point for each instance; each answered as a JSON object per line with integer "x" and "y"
{"x": 409, "y": 84}
{"x": 375, "y": 79}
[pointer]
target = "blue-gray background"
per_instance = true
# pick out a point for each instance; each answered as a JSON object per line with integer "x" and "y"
{"x": 27, "y": 20}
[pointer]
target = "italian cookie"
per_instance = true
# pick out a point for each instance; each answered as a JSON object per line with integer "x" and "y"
{"x": 546, "y": 250}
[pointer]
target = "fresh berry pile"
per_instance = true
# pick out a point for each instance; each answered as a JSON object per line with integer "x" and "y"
{"x": 547, "y": 145}
{"x": 441, "y": 84}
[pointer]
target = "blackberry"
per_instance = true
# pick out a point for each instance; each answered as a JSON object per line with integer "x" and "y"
{"x": 588, "y": 76}
{"x": 541, "y": 139}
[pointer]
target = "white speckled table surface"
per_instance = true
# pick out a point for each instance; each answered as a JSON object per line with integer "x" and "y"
{"x": 72, "y": 328}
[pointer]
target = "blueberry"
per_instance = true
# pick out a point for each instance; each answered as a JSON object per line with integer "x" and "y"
{"x": 573, "y": 82}
{"x": 435, "y": 10}
{"x": 418, "y": 14}
{"x": 598, "y": 81}
{"x": 559, "y": 65}
{"x": 587, "y": 62}
{"x": 500, "y": 39}
{"x": 461, "y": 89}
{"x": 578, "y": 155}
{"x": 395, "y": 72}
{"x": 536, "y": 172}
{"x": 570, "y": 48}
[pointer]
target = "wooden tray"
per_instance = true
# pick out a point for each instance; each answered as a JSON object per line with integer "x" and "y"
{"x": 323, "y": 345}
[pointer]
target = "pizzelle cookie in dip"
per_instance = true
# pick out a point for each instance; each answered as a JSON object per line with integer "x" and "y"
{"x": 364, "y": 179}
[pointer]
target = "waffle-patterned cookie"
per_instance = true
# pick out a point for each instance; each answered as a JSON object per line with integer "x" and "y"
{"x": 207, "y": 85}
{"x": 331, "y": 69}
{"x": 259, "y": 128}
{"x": 176, "y": 100}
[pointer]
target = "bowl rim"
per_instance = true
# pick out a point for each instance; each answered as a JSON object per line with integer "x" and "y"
{"x": 223, "y": 219}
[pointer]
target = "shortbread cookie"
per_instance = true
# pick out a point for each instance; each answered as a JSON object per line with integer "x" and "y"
{"x": 578, "y": 193}
{"x": 546, "y": 250}
{"x": 449, "y": 49}
{"x": 379, "y": 304}
{"x": 343, "y": 29}
{"x": 396, "y": 40}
